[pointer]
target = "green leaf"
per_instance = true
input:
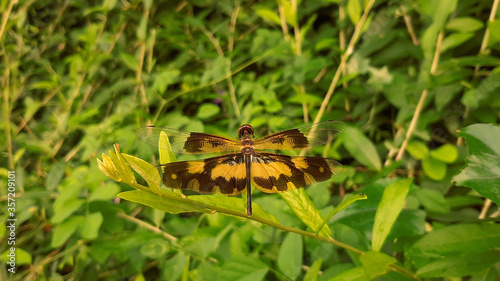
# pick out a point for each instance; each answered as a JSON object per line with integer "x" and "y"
{"x": 433, "y": 201}
{"x": 129, "y": 60}
{"x": 464, "y": 24}
{"x": 376, "y": 263}
{"x": 115, "y": 167}
{"x": 353, "y": 274}
{"x": 379, "y": 77}
{"x": 105, "y": 192}
{"x": 31, "y": 107}
{"x": 475, "y": 60}
{"x": 243, "y": 268}
{"x": 165, "y": 150}
{"x": 457, "y": 239}
{"x": 361, "y": 148}
{"x": 313, "y": 271}
{"x": 305, "y": 98}
{"x": 289, "y": 13}
{"x": 442, "y": 9}
{"x": 216, "y": 70}
{"x": 290, "y": 255}
{"x": 447, "y": 153}
{"x": 494, "y": 27}
{"x": 304, "y": 208}
{"x": 65, "y": 208}
{"x": 169, "y": 205}
{"x": 455, "y": 39}
{"x": 90, "y": 227}
{"x": 348, "y": 200}
{"x": 460, "y": 265}
{"x": 22, "y": 257}
{"x": 354, "y": 10}
{"x": 488, "y": 87}
{"x": 55, "y": 175}
{"x": 325, "y": 43}
{"x": 433, "y": 168}
{"x": 155, "y": 248}
{"x": 482, "y": 171}
{"x": 142, "y": 28}
{"x": 144, "y": 169}
{"x": 269, "y": 15}
{"x": 207, "y": 110}
{"x": 163, "y": 79}
{"x": 231, "y": 203}
{"x": 63, "y": 231}
{"x": 175, "y": 265}
{"x": 417, "y": 149}
{"x": 393, "y": 201}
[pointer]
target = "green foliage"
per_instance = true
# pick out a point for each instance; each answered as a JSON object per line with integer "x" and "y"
{"x": 483, "y": 161}
{"x": 416, "y": 82}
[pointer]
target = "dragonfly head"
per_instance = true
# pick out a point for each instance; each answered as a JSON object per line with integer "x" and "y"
{"x": 245, "y": 131}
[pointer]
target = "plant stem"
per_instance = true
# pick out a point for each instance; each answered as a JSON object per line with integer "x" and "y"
{"x": 420, "y": 105}
{"x": 343, "y": 60}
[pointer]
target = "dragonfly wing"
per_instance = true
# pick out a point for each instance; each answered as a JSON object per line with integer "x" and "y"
{"x": 188, "y": 142}
{"x": 304, "y": 137}
{"x": 275, "y": 173}
{"x": 223, "y": 174}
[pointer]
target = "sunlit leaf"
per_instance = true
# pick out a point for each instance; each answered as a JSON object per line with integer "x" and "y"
{"x": 361, "y": 147}
{"x": 91, "y": 225}
{"x": 376, "y": 263}
{"x": 446, "y": 153}
{"x": 168, "y": 205}
{"x": 417, "y": 150}
{"x": 207, "y": 110}
{"x": 64, "y": 230}
{"x": 353, "y": 274}
{"x": 393, "y": 201}
{"x": 290, "y": 255}
{"x": 464, "y": 24}
{"x": 433, "y": 168}
{"x": 304, "y": 208}
{"x": 243, "y": 268}
{"x": 354, "y": 10}
{"x": 457, "y": 239}
{"x": 313, "y": 271}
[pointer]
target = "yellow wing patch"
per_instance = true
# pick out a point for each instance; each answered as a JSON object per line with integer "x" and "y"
{"x": 274, "y": 173}
{"x": 223, "y": 174}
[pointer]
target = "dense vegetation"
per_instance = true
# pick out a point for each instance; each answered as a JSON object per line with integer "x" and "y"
{"x": 417, "y": 84}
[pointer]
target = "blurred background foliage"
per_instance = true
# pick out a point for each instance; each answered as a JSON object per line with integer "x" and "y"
{"x": 405, "y": 76}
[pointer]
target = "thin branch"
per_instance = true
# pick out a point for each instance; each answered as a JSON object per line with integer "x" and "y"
{"x": 484, "y": 45}
{"x": 298, "y": 52}
{"x": 342, "y": 45}
{"x": 484, "y": 210}
{"x": 6, "y": 16}
{"x": 148, "y": 226}
{"x": 409, "y": 27}
{"x": 420, "y": 105}
{"x": 343, "y": 60}
{"x": 232, "y": 91}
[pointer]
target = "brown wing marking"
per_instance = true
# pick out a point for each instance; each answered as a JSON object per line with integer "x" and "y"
{"x": 274, "y": 173}
{"x": 188, "y": 142}
{"x": 223, "y": 174}
{"x": 304, "y": 137}
{"x": 203, "y": 143}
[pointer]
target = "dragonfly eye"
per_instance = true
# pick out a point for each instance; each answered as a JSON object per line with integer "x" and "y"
{"x": 245, "y": 130}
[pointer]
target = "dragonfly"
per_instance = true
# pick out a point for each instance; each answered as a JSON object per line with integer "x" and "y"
{"x": 245, "y": 163}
